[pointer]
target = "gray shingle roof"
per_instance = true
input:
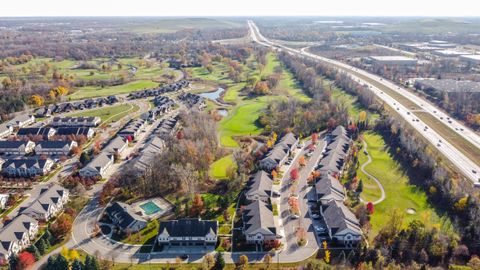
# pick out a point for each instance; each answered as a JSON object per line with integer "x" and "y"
{"x": 258, "y": 216}
{"x": 329, "y": 186}
{"x": 123, "y": 214}
{"x": 338, "y": 218}
{"x": 260, "y": 184}
{"x": 14, "y": 231}
{"x": 188, "y": 227}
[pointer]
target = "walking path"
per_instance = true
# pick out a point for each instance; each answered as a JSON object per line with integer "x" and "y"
{"x": 382, "y": 190}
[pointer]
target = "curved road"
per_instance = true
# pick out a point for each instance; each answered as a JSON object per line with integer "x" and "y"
{"x": 382, "y": 190}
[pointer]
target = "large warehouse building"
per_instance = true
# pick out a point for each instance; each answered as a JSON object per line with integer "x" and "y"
{"x": 392, "y": 61}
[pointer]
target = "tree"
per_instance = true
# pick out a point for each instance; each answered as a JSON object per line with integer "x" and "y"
{"x": 294, "y": 174}
{"x": 42, "y": 246}
{"x": 91, "y": 263}
{"x": 301, "y": 161}
{"x": 370, "y": 207}
{"x": 61, "y": 262}
{"x": 219, "y": 261}
{"x": 267, "y": 260}
{"x": 77, "y": 265}
{"x": 314, "y": 137}
{"x": 208, "y": 262}
{"x": 362, "y": 116}
{"x": 37, "y": 100}
{"x": 25, "y": 260}
{"x": 34, "y": 250}
{"x": 62, "y": 226}
{"x": 84, "y": 158}
{"x": 243, "y": 261}
{"x": 197, "y": 206}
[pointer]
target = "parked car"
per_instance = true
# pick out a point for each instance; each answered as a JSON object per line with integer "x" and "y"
{"x": 319, "y": 228}
{"x": 315, "y": 216}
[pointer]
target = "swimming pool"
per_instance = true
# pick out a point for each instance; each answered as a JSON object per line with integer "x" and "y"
{"x": 150, "y": 208}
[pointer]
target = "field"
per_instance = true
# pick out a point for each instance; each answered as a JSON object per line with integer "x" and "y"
{"x": 169, "y": 25}
{"x": 218, "y": 169}
{"x": 242, "y": 118}
{"x": 94, "y": 91}
{"x": 109, "y": 114}
{"x": 399, "y": 193}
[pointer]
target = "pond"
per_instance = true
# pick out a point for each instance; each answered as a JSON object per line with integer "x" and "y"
{"x": 222, "y": 112}
{"x": 213, "y": 95}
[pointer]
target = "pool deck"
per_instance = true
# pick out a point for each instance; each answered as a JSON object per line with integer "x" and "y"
{"x": 163, "y": 204}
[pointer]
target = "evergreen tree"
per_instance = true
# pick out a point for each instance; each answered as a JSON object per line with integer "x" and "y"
{"x": 42, "y": 246}
{"x": 50, "y": 263}
{"x": 360, "y": 186}
{"x": 77, "y": 265}
{"x": 91, "y": 263}
{"x": 13, "y": 262}
{"x": 84, "y": 158}
{"x": 48, "y": 237}
{"x": 219, "y": 262}
{"x": 34, "y": 250}
{"x": 61, "y": 263}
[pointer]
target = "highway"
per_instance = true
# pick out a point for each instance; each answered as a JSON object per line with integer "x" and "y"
{"x": 465, "y": 165}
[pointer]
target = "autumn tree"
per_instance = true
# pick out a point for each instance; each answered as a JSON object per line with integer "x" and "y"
{"x": 301, "y": 161}
{"x": 294, "y": 174}
{"x": 261, "y": 88}
{"x": 243, "y": 261}
{"x": 267, "y": 260}
{"x": 37, "y": 100}
{"x": 197, "y": 206}
{"x": 62, "y": 226}
{"x": 314, "y": 137}
{"x": 25, "y": 260}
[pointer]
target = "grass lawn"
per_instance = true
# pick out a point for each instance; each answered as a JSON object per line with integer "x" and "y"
{"x": 399, "y": 193}
{"x": 145, "y": 236}
{"x": 110, "y": 113}
{"x": 218, "y": 169}
{"x": 94, "y": 91}
{"x": 242, "y": 118}
{"x": 354, "y": 107}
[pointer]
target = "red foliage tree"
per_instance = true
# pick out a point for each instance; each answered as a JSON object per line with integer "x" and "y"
{"x": 315, "y": 137}
{"x": 370, "y": 207}
{"x": 197, "y": 206}
{"x": 25, "y": 260}
{"x": 62, "y": 226}
{"x": 294, "y": 174}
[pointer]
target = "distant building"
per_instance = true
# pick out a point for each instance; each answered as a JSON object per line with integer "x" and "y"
{"x": 450, "y": 53}
{"x": 98, "y": 166}
{"x": 393, "y": 61}
{"x": 277, "y": 156}
{"x": 117, "y": 145}
{"x": 5, "y": 130}
{"x": 336, "y": 152}
{"x": 45, "y": 133}
{"x": 188, "y": 232}
{"x": 20, "y": 148}
{"x": 22, "y": 120}
{"x": 124, "y": 218}
{"x": 27, "y": 167}
{"x": 59, "y": 148}
{"x": 75, "y": 121}
{"x": 75, "y": 132}
{"x": 474, "y": 58}
{"x": 329, "y": 188}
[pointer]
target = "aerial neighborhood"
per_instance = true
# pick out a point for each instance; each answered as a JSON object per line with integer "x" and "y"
{"x": 218, "y": 143}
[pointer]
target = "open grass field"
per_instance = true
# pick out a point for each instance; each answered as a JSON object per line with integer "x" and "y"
{"x": 399, "y": 193}
{"x": 169, "y": 25}
{"x": 354, "y": 107}
{"x": 218, "y": 169}
{"x": 94, "y": 91}
{"x": 109, "y": 114}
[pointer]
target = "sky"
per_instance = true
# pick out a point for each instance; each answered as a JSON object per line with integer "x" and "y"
{"x": 12, "y": 8}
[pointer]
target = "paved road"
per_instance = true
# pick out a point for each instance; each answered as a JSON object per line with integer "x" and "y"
{"x": 465, "y": 165}
{"x": 382, "y": 190}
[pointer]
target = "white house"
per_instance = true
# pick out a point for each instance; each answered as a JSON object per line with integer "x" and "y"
{"x": 258, "y": 224}
{"x": 98, "y": 166}
{"x": 22, "y": 120}
{"x": 3, "y": 201}
{"x": 55, "y": 147}
{"x": 20, "y": 148}
{"x": 17, "y": 235}
{"x": 5, "y": 130}
{"x": 188, "y": 232}
{"x": 342, "y": 225}
{"x": 49, "y": 204}
{"x": 27, "y": 167}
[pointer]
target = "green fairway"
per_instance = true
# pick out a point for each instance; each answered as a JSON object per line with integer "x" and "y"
{"x": 93, "y": 91}
{"x": 242, "y": 117}
{"x": 109, "y": 114}
{"x": 218, "y": 169}
{"x": 399, "y": 193}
